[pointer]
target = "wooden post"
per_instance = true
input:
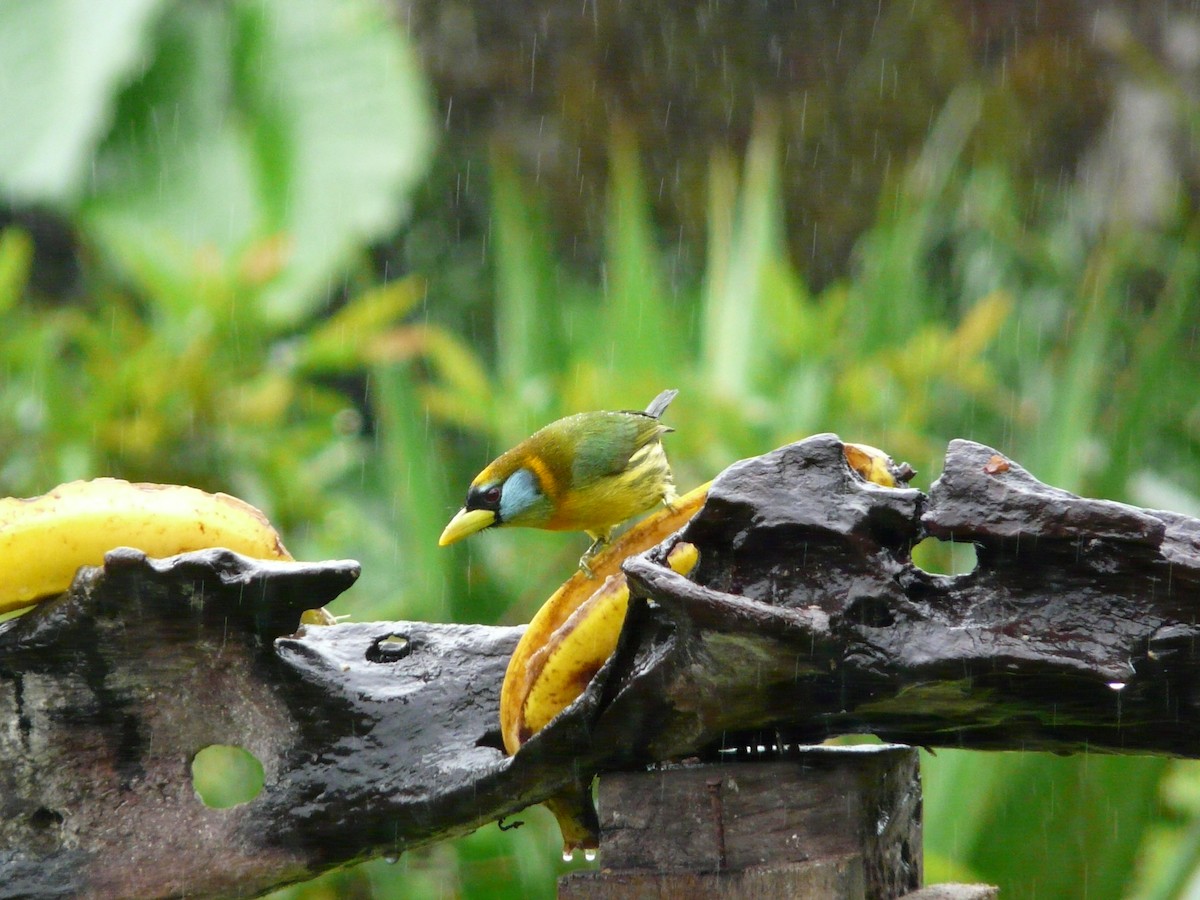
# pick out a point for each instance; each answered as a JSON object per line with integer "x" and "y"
{"x": 828, "y": 822}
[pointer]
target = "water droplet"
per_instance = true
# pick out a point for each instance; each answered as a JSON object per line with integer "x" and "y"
{"x": 590, "y": 855}
{"x": 1117, "y": 685}
{"x": 568, "y": 855}
{"x": 391, "y": 858}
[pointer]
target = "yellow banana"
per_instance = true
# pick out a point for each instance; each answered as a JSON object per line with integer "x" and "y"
{"x": 556, "y": 619}
{"x": 565, "y": 665}
{"x": 44, "y": 540}
{"x": 577, "y": 650}
{"x": 570, "y": 638}
{"x": 875, "y": 465}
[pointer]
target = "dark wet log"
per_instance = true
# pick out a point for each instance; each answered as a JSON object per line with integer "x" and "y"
{"x": 373, "y": 737}
{"x": 804, "y": 619}
{"x": 1076, "y": 629}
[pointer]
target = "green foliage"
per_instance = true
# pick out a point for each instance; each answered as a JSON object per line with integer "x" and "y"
{"x": 225, "y": 166}
{"x": 315, "y": 161}
{"x": 250, "y": 124}
{"x": 65, "y": 61}
{"x": 225, "y": 776}
{"x": 1038, "y": 825}
{"x": 192, "y": 394}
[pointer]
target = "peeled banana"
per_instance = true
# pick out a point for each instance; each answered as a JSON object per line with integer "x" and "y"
{"x": 551, "y": 664}
{"x": 568, "y": 641}
{"x": 44, "y": 540}
{"x": 876, "y": 466}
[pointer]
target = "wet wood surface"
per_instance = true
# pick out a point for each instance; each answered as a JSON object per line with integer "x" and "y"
{"x": 805, "y": 618}
{"x": 816, "y": 822}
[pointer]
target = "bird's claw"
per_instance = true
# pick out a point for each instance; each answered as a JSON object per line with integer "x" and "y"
{"x": 598, "y": 544}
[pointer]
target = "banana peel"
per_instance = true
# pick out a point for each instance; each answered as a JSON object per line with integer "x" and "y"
{"x": 574, "y": 653}
{"x": 569, "y": 639}
{"x": 576, "y": 631}
{"x": 876, "y": 466}
{"x": 566, "y": 665}
{"x": 548, "y": 664}
{"x": 44, "y": 540}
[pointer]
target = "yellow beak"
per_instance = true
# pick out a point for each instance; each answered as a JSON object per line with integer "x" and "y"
{"x": 465, "y": 522}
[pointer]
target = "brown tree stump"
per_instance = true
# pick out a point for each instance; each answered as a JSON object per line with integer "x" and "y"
{"x": 828, "y": 822}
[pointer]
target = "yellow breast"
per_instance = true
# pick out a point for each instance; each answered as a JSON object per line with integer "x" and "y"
{"x": 610, "y": 500}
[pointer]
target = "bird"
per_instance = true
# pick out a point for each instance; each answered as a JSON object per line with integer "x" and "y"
{"x": 587, "y": 472}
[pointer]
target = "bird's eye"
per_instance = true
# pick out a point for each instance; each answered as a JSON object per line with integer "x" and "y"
{"x": 492, "y": 495}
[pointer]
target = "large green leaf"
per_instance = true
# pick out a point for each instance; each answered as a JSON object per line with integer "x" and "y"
{"x": 63, "y": 60}
{"x": 1039, "y": 825}
{"x": 260, "y": 122}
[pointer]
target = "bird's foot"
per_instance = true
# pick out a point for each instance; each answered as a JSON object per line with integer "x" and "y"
{"x": 598, "y": 544}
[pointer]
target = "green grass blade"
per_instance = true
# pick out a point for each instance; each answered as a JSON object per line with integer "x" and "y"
{"x": 527, "y": 334}
{"x": 735, "y": 336}
{"x": 638, "y": 329}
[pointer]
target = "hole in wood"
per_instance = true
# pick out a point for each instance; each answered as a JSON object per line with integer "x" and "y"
{"x": 390, "y": 649}
{"x": 945, "y": 557}
{"x": 493, "y": 739}
{"x": 873, "y": 612}
{"x": 43, "y": 818}
{"x": 224, "y": 775}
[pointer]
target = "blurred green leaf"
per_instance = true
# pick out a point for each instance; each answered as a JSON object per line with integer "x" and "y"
{"x": 1148, "y": 392}
{"x": 639, "y": 330}
{"x": 63, "y": 62}
{"x": 737, "y": 329}
{"x": 527, "y": 316}
{"x": 416, "y": 496}
{"x": 1039, "y": 825}
{"x": 891, "y": 293}
{"x": 256, "y": 121}
{"x": 348, "y": 339}
{"x": 16, "y": 257}
{"x": 225, "y": 776}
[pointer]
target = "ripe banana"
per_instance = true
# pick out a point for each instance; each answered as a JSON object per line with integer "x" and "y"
{"x": 568, "y": 641}
{"x": 44, "y": 540}
{"x": 576, "y": 631}
{"x": 550, "y": 667}
{"x": 876, "y": 466}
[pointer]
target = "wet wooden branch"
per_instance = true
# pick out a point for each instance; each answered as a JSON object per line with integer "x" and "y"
{"x": 805, "y": 618}
{"x": 1076, "y": 629}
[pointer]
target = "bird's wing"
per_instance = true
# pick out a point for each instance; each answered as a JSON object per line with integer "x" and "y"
{"x": 605, "y": 447}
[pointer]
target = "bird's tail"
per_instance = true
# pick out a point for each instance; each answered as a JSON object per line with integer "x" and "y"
{"x": 660, "y": 403}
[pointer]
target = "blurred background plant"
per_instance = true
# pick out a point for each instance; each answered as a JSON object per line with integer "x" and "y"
{"x": 211, "y": 273}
